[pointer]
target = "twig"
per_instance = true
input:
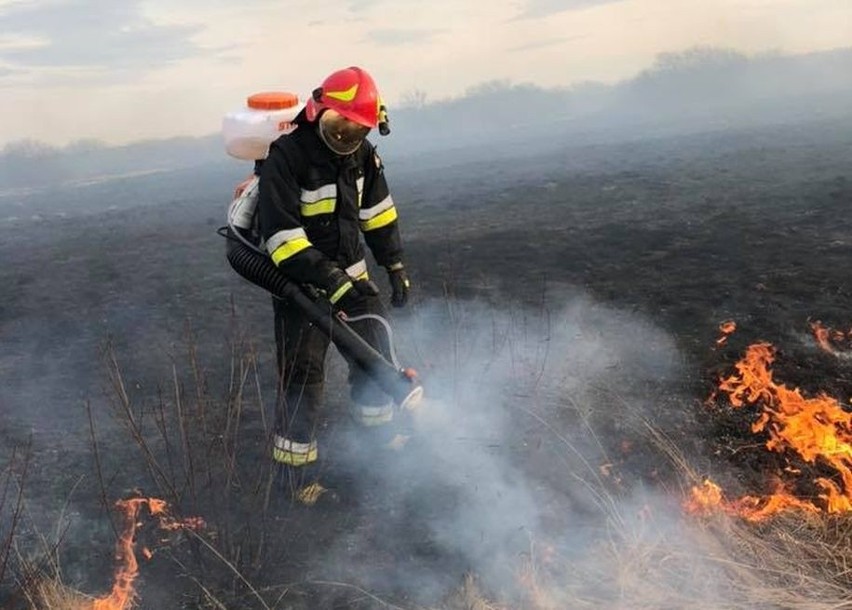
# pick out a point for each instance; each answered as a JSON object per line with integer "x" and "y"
{"x": 210, "y": 597}
{"x": 160, "y": 419}
{"x": 602, "y": 498}
{"x": 344, "y": 585}
{"x": 19, "y": 504}
{"x": 201, "y": 398}
{"x": 151, "y": 462}
{"x": 188, "y": 468}
{"x": 60, "y": 534}
{"x": 98, "y": 468}
{"x": 231, "y": 567}
{"x": 253, "y": 360}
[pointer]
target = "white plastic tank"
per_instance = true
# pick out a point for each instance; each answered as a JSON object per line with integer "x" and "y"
{"x": 249, "y": 131}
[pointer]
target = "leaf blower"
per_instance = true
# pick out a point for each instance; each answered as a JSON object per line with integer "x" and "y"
{"x": 253, "y": 264}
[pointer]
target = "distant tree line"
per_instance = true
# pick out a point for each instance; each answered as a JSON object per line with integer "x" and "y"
{"x": 696, "y": 89}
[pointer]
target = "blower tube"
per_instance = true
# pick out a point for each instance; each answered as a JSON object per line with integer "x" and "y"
{"x": 401, "y": 384}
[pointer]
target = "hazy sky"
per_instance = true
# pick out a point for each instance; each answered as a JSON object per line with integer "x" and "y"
{"x": 122, "y": 70}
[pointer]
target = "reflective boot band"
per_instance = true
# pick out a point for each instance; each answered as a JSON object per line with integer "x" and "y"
{"x": 293, "y": 453}
{"x": 374, "y": 416}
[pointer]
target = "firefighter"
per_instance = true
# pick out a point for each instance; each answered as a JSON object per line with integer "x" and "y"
{"x": 322, "y": 187}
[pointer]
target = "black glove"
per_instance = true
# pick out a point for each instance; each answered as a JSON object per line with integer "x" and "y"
{"x": 351, "y": 294}
{"x": 366, "y": 288}
{"x": 400, "y": 285}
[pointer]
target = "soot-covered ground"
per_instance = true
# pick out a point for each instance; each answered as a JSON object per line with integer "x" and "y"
{"x": 560, "y": 298}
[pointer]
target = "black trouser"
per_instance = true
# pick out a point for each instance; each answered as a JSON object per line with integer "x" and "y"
{"x": 301, "y": 350}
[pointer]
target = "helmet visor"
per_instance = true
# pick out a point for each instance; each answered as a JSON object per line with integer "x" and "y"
{"x": 340, "y": 134}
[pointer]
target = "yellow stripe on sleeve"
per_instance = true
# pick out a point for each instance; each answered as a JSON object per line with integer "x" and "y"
{"x": 323, "y": 206}
{"x": 289, "y": 248}
{"x": 338, "y": 294}
{"x": 377, "y": 222}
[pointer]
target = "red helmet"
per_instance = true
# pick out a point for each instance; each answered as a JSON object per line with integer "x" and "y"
{"x": 351, "y": 92}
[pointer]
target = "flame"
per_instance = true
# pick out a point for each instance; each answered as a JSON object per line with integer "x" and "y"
{"x": 725, "y": 328}
{"x": 123, "y": 593}
{"x": 704, "y": 499}
{"x": 817, "y": 429}
{"x": 708, "y": 498}
{"x": 831, "y": 340}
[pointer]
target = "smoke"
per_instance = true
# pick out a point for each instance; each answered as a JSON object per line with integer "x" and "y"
{"x": 697, "y": 90}
{"x": 505, "y": 455}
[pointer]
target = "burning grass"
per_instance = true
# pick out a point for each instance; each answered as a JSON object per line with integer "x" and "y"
{"x": 832, "y": 340}
{"x": 641, "y": 550}
{"x": 814, "y": 430}
{"x": 775, "y": 550}
{"x": 123, "y": 591}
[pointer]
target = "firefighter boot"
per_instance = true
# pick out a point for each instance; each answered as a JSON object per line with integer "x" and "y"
{"x": 373, "y": 411}
{"x": 295, "y": 447}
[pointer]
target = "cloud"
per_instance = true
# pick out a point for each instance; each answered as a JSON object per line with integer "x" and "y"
{"x": 393, "y": 37}
{"x": 547, "y": 42}
{"x": 103, "y": 35}
{"x": 544, "y": 8}
{"x": 360, "y": 6}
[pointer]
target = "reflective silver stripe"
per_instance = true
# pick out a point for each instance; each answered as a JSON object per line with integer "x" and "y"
{"x": 282, "y": 237}
{"x": 368, "y": 213}
{"x": 285, "y": 444}
{"x": 357, "y": 269}
{"x": 329, "y": 191}
{"x": 359, "y": 183}
{"x": 241, "y": 212}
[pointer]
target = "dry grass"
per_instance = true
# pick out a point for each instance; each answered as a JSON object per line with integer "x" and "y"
{"x": 469, "y": 597}
{"x": 651, "y": 556}
{"x": 644, "y": 555}
{"x": 717, "y": 563}
{"x": 50, "y": 594}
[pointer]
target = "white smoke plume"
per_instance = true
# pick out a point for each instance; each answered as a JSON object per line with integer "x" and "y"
{"x": 504, "y": 456}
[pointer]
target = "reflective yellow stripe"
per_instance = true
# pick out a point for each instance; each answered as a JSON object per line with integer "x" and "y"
{"x": 291, "y": 458}
{"x": 282, "y": 237}
{"x": 323, "y": 206}
{"x": 340, "y": 292}
{"x": 289, "y": 248}
{"x": 343, "y": 96}
{"x": 383, "y": 219}
{"x": 375, "y": 416}
{"x": 375, "y": 210}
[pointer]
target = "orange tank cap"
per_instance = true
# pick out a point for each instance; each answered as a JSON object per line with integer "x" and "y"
{"x": 272, "y": 100}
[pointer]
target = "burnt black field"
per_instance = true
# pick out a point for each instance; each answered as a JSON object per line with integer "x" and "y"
{"x": 577, "y": 285}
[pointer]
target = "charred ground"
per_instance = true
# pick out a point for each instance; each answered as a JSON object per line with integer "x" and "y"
{"x": 680, "y": 233}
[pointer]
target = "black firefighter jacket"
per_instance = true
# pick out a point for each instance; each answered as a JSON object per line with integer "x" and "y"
{"x": 314, "y": 205}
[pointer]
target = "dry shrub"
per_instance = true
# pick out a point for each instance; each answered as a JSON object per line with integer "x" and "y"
{"x": 51, "y": 594}
{"x": 719, "y": 562}
{"x": 469, "y": 597}
{"x": 652, "y": 555}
